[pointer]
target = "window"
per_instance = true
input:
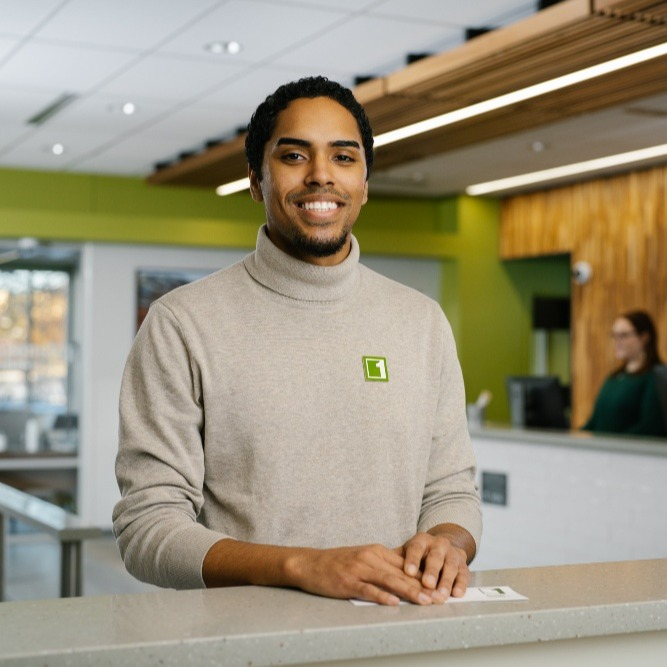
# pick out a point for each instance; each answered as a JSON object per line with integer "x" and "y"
{"x": 34, "y": 335}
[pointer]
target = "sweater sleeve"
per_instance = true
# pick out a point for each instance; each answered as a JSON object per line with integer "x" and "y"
{"x": 451, "y": 494}
{"x": 160, "y": 461}
{"x": 650, "y": 421}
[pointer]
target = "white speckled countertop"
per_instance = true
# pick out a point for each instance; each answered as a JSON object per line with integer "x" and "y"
{"x": 263, "y": 626}
{"x": 579, "y": 439}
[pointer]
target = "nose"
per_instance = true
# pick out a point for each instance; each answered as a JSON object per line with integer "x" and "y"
{"x": 320, "y": 171}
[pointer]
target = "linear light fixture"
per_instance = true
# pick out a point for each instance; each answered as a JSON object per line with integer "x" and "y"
{"x": 52, "y": 109}
{"x": 234, "y": 186}
{"x": 499, "y": 102}
{"x": 567, "y": 170}
{"x": 521, "y": 95}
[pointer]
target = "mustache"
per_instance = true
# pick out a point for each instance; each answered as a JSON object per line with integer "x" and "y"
{"x": 311, "y": 192}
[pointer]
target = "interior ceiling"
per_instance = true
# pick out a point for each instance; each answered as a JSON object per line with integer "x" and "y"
{"x": 192, "y": 104}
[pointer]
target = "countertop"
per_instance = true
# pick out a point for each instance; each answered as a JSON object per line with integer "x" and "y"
{"x": 264, "y": 626}
{"x": 579, "y": 439}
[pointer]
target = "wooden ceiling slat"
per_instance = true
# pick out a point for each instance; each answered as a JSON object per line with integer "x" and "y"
{"x": 647, "y": 8}
{"x": 633, "y": 85}
{"x": 516, "y": 36}
{"x": 509, "y": 76}
{"x": 219, "y": 164}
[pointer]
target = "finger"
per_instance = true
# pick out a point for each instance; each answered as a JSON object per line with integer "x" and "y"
{"x": 394, "y": 557}
{"x": 434, "y": 564}
{"x": 381, "y": 570}
{"x": 407, "y": 588}
{"x": 414, "y": 553}
{"x": 461, "y": 583}
{"x": 374, "y": 594}
{"x": 455, "y": 571}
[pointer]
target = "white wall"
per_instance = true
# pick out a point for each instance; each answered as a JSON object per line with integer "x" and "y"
{"x": 107, "y": 329}
{"x": 109, "y": 323}
{"x": 571, "y": 505}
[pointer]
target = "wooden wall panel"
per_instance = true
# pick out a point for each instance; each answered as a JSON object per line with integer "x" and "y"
{"x": 619, "y": 226}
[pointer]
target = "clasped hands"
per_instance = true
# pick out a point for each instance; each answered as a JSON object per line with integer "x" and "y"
{"x": 426, "y": 570}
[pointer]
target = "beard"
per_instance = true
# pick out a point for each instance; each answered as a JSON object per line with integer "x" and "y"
{"x": 320, "y": 247}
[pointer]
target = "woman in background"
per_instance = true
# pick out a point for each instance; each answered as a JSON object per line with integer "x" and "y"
{"x": 628, "y": 401}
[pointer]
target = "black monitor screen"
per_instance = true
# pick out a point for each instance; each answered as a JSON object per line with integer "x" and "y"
{"x": 537, "y": 401}
{"x": 660, "y": 375}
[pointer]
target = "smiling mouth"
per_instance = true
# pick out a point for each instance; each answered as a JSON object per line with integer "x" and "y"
{"x": 319, "y": 205}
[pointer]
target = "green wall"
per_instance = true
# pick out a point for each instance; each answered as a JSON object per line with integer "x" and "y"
{"x": 487, "y": 301}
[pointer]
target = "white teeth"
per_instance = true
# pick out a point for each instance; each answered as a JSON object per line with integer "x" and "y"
{"x": 319, "y": 206}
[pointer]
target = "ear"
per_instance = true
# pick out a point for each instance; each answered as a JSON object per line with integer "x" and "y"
{"x": 255, "y": 188}
{"x": 365, "y": 196}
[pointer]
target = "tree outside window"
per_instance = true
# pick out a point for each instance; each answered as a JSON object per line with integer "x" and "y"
{"x": 34, "y": 350}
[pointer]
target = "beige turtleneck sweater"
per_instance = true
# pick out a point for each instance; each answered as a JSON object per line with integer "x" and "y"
{"x": 247, "y": 410}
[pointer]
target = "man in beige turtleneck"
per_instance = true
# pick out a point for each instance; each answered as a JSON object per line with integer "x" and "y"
{"x": 296, "y": 419}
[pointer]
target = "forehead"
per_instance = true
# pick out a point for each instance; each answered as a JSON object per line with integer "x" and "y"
{"x": 623, "y": 324}
{"x": 316, "y": 118}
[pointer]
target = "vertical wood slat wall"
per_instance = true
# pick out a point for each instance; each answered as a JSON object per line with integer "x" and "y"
{"x": 619, "y": 226}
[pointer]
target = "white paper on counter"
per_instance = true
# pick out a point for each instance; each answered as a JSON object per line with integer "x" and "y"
{"x": 472, "y": 594}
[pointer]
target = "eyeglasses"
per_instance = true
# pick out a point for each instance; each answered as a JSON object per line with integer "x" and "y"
{"x": 622, "y": 335}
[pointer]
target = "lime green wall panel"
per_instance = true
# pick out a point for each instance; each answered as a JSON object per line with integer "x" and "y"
{"x": 545, "y": 277}
{"x": 495, "y": 302}
{"x": 490, "y": 340}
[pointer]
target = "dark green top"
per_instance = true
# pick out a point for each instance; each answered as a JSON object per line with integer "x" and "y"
{"x": 628, "y": 403}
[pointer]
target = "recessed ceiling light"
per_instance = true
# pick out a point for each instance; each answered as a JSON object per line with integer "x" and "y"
{"x": 125, "y": 108}
{"x": 538, "y": 146}
{"x": 217, "y": 48}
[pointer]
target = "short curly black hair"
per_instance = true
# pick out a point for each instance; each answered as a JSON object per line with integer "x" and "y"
{"x": 263, "y": 121}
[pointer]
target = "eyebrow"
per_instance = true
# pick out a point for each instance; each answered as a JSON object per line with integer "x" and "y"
{"x": 339, "y": 143}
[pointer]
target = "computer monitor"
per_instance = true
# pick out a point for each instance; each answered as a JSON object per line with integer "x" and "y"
{"x": 660, "y": 375}
{"x": 537, "y": 401}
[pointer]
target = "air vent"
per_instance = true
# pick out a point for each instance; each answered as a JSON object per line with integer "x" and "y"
{"x": 52, "y": 109}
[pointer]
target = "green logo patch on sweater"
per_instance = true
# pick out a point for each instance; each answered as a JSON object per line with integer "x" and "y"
{"x": 375, "y": 369}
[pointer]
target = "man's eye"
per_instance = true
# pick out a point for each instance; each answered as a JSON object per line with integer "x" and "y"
{"x": 292, "y": 157}
{"x": 344, "y": 158}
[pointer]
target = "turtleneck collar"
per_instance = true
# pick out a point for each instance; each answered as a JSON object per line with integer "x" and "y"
{"x": 300, "y": 280}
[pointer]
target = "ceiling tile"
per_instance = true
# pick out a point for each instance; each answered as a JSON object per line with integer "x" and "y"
{"x": 18, "y": 105}
{"x": 262, "y": 29}
{"x": 9, "y": 134}
{"x": 349, "y": 5}
{"x": 61, "y": 68}
{"x": 246, "y": 92}
{"x": 33, "y": 151}
{"x": 211, "y": 121}
{"x": 6, "y": 45}
{"x": 489, "y": 13}
{"x": 122, "y": 23}
{"x": 347, "y": 46}
{"x": 102, "y": 113}
{"x": 20, "y": 17}
{"x": 170, "y": 78}
{"x": 151, "y": 146}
